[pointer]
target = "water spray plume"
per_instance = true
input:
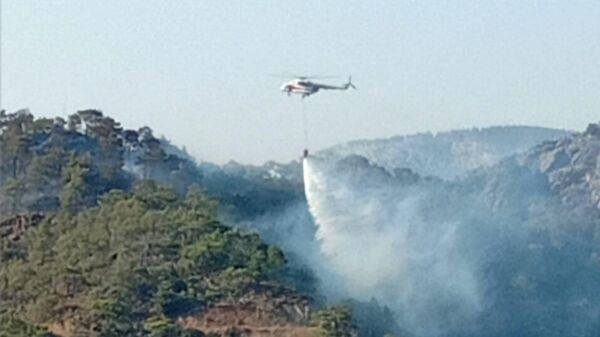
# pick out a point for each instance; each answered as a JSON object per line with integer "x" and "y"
{"x": 370, "y": 230}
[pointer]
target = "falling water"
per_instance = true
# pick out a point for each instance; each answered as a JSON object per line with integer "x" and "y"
{"x": 371, "y": 231}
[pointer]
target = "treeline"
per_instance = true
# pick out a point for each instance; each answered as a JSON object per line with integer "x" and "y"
{"x": 92, "y": 154}
{"x": 88, "y": 153}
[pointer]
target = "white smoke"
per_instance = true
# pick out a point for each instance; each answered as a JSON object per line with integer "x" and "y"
{"x": 372, "y": 230}
{"x": 496, "y": 253}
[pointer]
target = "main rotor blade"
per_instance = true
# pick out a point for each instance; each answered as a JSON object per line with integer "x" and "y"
{"x": 302, "y": 77}
{"x": 319, "y": 77}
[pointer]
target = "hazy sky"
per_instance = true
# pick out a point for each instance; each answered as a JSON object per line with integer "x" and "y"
{"x": 197, "y": 71}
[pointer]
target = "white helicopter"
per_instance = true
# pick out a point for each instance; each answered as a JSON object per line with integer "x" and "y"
{"x": 301, "y": 85}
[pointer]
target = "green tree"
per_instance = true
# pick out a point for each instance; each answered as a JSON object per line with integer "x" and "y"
{"x": 108, "y": 132}
{"x": 12, "y": 327}
{"x": 15, "y": 143}
{"x": 76, "y": 191}
{"x": 335, "y": 321}
{"x": 152, "y": 159}
{"x": 46, "y": 169}
{"x": 14, "y": 189}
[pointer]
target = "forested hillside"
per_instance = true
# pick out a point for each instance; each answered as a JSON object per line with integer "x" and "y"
{"x": 45, "y": 162}
{"x": 108, "y": 232}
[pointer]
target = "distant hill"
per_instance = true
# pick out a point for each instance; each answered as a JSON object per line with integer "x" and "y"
{"x": 446, "y": 154}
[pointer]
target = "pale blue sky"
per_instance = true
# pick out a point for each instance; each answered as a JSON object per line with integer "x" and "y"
{"x": 196, "y": 71}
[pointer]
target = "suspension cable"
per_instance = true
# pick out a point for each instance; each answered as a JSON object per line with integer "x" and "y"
{"x": 305, "y": 124}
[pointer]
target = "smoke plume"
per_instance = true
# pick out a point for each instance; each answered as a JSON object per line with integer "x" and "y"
{"x": 475, "y": 257}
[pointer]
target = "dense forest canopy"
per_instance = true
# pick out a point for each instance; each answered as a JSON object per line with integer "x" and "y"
{"x": 135, "y": 259}
{"x": 39, "y": 157}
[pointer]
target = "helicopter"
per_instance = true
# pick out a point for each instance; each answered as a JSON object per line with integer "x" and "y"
{"x": 303, "y": 86}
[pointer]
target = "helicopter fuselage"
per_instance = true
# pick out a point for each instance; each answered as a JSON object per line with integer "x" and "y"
{"x": 306, "y": 88}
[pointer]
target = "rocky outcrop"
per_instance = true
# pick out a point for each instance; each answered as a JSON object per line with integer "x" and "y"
{"x": 262, "y": 311}
{"x": 572, "y": 167}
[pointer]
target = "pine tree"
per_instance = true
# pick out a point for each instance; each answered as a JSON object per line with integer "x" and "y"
{"x": 76, "y": 191}
{"x": 15, "y": 143}
{"x": 14, "y": 189}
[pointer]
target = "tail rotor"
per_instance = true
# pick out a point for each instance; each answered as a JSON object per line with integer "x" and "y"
{"x": 350, "y": 84}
